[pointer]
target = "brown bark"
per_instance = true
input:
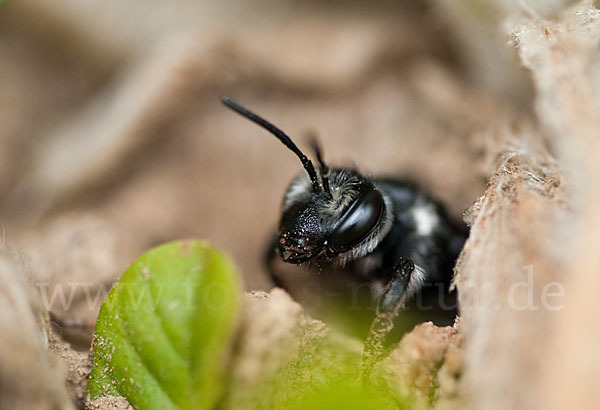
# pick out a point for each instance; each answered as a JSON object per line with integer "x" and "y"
{"x": 539, "y": 217}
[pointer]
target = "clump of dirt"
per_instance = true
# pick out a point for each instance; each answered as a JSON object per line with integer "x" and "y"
{"x": 277, "y": 338}
{"x": 109, "y": 403}
{"x": 78, "y": 365}
{"x": 425, "y": 364}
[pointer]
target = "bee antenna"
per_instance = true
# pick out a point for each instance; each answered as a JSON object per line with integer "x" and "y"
{"x": 281, "y": 136}
{"x": 314, "y": 143}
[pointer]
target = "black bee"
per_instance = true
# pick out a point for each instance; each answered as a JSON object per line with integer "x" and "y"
{"x": 380, "y": 228}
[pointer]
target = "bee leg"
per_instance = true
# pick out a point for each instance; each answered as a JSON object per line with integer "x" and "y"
{"x": 396, "y": 292}
{"x": 270, "y": 256}
{"x": 391, "y": 302}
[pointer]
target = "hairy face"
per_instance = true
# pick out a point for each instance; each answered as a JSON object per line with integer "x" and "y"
{"x": 344, "y": 225}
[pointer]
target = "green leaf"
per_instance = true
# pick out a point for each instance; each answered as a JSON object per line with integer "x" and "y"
{"x": 164, "y": 332}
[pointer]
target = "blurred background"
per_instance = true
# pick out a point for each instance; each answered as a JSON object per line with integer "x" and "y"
{"x": 113, "y": 139}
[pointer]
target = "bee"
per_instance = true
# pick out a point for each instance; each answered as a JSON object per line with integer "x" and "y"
{"x": 383, "y": 229}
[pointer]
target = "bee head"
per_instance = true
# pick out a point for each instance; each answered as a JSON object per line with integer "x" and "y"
{"x": 350, "y": 220}
{"x": 329, "y": 212}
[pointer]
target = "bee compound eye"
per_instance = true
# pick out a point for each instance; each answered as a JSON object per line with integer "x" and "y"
{"x": 358, "y": 222}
